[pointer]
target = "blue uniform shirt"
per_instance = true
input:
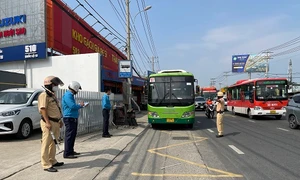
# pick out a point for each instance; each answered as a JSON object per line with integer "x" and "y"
{"x": 70, "y": 108}
{"x": 106, "y": 102}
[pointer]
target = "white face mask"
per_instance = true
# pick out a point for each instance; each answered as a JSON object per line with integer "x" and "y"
{"x": 55, "y": 88}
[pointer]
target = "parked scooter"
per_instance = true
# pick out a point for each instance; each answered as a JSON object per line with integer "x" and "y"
{"x": 210, "y": 111}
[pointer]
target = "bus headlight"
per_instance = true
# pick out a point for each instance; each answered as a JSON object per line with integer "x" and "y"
{"x": 153, "y": 114}
{"x": 283, "y": 108}
{"x": 187, "y": 114}
{"x": 257, "y": 108}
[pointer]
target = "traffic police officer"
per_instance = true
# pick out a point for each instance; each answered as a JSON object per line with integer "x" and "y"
{"x": 220, "y": 113}
{"x": 51, "y": 122}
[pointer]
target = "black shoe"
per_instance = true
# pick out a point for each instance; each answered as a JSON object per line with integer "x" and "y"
{"x": 70, "y": 157}
{"x": 59, "y": 164}
{"x": 106, "y": 136}
{"x": 218, "y": 136}
{"x": 76, "y": 153}
{"x": 110, "y": 134}
{"x": 52, "y": 169}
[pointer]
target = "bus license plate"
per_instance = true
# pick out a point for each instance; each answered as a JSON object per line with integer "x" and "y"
{"x": 273, "y": 112}
{"x": 170, "y": 120}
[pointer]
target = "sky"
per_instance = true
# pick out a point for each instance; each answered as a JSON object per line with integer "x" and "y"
{"x": 200, "y": 36}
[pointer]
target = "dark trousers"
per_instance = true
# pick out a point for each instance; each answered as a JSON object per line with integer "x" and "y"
{"x": 105, "y": 113}
{"x": 70, "y": 135}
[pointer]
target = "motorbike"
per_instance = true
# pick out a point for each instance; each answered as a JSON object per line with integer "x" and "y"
{"x": 210, "y": 111}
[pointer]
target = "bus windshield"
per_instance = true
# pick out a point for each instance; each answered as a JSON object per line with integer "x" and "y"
{"x": 271, "y": 90}
{"x": 211, "y": 95}
{"x": 175, "y": 91}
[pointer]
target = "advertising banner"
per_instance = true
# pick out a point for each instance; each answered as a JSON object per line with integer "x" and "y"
{"x": 22, "y": 30}
{"x": 72, "y": 35}
{"x": 249, "y": 63}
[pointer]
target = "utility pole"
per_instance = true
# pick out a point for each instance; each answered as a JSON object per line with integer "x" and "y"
{"x": 290, "y": 72}
{"x": 226, "y": 75}
{"x": 128, "y": 52}
{"x": 267, "y": 65}
{"x": 153, "y": 63}
{"x": 212, "y": 81}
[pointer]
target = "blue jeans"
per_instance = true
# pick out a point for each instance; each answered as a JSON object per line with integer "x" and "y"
{"x": 70, "y": 135}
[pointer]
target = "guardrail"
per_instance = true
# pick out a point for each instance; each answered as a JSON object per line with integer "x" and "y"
{"x": 90, "y": 118}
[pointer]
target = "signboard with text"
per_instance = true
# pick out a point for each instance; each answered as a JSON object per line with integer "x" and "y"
{"x": 248, "y": 63}
{"x": 70, "y": 34}
{"x": 125, "y": 69}
{"x": 22, "y": 30}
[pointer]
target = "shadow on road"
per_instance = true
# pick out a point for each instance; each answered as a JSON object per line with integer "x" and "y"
{"x": 36, "y": 134}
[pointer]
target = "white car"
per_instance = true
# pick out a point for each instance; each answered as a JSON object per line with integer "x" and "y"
{"x": 19, "y": 112}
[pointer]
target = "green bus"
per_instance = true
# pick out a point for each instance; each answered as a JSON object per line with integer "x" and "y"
{"x": 171, "y": 98}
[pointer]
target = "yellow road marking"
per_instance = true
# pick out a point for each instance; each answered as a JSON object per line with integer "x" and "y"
{"x": 182, "y": 175}
{"x": 154, "y": 151}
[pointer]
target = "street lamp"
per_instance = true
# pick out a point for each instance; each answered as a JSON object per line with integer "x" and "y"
{"x": 113, "y": 39}
{"x": 102, "y": 29}
{"x": 108, "y": 35}
{"x": 117, "y": 43}
{"x": 128, "y": 46}
{"x": 146, "y": 9}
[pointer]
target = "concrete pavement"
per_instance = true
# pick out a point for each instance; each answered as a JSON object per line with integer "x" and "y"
{"x": 96, "y": 154}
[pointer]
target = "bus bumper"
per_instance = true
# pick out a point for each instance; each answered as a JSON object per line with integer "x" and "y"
{"x": 171, "y": 120}
{"x": 269, "y": 112}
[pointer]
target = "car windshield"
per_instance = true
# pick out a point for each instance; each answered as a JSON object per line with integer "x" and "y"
{"x": 199, "y": 99}
{"x": 271, "y": 90}
{"x": 176, "y": 91}
{"x": 14, "y": 97}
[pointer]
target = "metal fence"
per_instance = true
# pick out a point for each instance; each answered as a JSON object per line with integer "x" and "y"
{"x": 90, "y": 118}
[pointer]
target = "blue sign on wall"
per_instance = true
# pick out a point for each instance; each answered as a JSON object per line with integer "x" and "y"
{"x": 113, "y": 76}
{"x": 23, "y": 52}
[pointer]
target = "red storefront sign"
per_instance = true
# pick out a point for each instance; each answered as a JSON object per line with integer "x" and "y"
{"x": 70, "y": 34}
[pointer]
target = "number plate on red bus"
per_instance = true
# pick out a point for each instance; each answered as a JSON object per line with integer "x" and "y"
{"x": 273, "y": 112}
{"x": 170, "y": 120}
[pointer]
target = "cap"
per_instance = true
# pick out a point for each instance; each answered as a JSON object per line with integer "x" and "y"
{"x": 220, "y": 93}
{"x": 53, "y": 80}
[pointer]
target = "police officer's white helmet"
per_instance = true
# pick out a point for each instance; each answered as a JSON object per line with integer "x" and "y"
{"x": 74, "y": 85}
{"x": 220, "y": 94}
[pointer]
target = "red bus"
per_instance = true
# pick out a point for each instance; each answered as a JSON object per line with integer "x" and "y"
{"x": 258, "y": 97}
{"x": 207, "y": 92}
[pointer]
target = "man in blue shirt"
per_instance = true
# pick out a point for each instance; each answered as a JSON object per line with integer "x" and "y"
{"x": 106, "y": 106}
{"x": 70, "y": 117}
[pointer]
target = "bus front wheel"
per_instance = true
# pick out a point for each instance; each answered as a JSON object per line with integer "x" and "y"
{"x": 190, "y": 126}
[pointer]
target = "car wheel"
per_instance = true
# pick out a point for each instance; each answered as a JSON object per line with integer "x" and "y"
{"x": 293, "y": 122}
{"x": 25, "y": 129}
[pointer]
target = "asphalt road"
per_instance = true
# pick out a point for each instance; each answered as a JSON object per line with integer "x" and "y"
{"x": 251, "y": 149}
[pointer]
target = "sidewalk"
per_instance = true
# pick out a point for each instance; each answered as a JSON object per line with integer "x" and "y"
{"x": 96, "y": 154}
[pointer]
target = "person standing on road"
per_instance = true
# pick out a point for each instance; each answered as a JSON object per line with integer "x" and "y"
{"x": 220, "y": 113}
{"x": 51, "y": 122}
{"x": 70, "y": 117}
{"x": 106, "y": 106}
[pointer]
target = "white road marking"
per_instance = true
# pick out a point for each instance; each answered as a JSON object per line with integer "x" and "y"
{"x": 210, "y": 130}
{"x": 251, "y": 121}
{"x": 236, "y": 149}
{"x": 283, "y": 129}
